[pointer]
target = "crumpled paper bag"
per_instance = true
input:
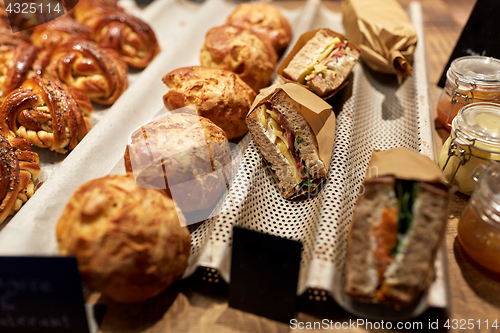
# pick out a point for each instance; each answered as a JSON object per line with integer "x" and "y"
{"x": 383, "y": 32}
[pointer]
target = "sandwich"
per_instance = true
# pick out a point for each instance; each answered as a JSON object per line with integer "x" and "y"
{"x": 395, "y": 232}
{"x": 287, "y": 142}
{"x": 322, "y": 63}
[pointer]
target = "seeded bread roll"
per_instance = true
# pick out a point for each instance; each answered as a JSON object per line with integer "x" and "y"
{"x": 241, "y": 51}
{"x": 218, "y": 94}
{"x": 265, "y": 19}
{"x": 130, "y": 243}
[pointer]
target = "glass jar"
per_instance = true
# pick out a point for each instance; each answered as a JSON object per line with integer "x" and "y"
{"x": 473, "y": 143}
{"x": 468, "y": 80}
{"x": 479, "y": 224}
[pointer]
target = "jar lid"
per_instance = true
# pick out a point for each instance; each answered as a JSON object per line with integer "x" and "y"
{"x": 480, "y": 121}
{"x": 477, "y": 69}
{"x": 488, "y": 189}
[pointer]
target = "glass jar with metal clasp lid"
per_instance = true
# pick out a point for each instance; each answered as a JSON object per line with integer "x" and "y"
{"x": 468, "y": 80}
{"x": 474, "y": 142}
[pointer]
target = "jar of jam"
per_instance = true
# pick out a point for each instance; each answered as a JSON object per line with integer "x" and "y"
{"x": 468, "y": 80}
{"x": 479, "y": 224}
{"x": 473, "y": 143}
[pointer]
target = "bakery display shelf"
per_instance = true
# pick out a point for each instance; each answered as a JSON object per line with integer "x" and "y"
{"x": 373, "y": 112}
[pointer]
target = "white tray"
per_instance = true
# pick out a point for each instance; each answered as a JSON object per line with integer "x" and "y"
{"x": 373, "y": 112}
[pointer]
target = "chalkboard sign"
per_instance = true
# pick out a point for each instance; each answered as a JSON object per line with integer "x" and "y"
{"x": 41, "y": 294}
{"x": 480, "y": 34}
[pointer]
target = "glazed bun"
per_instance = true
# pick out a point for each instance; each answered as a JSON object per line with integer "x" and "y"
{"x": 184, "y": 154}
{"x": 246, "y": 53}
{"x": 218, "y": 94}
{"x": 265, "y": 19}
{"x": 129, "y": 242}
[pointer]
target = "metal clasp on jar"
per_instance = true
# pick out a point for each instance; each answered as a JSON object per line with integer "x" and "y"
{"x": 458, "y": 97}
{"x": 456, "y": 149}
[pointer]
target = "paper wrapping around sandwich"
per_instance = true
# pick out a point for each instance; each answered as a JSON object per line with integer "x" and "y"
{"x": 303, "y": 39}
{"x": 316, "y": 111}
{"x": 383, "y": 32}
{"x": 406, "y": 164}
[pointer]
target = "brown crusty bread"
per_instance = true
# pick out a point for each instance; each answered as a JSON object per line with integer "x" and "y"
{"x": 411, "y": 270}
{"x": 308, "y": 147}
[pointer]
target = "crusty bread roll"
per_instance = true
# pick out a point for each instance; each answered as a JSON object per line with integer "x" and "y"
{"x": 187, "y": 149}
{"x": 242, "y": 51}
{"x": 265, "y": 19}
{"x": 218, "y": 94}
{"x": 130, "y": 243}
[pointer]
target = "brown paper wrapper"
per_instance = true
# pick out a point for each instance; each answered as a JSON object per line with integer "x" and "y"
{"x": 303, "y": 39}
{"x": 317, "y": 113}
{"x": 383, "y": 32}
{"x": 406, "y": 164}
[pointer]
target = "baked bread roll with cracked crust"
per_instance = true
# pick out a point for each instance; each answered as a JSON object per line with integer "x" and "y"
{"x": 97, "y": 72}
{"x": 184, "y": 154}
{"x": 19, "y": 168}
{"x": 219, "y": 95}
{"x": 241, "y": 51}
{"x": 16, "y": 58}
{"x": 265, "y": 19}
{"x": 47, "y": 115}
{"x": 130, "y": 243}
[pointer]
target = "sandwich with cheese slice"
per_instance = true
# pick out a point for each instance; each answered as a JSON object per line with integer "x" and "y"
{"x": 322, "y": 63}
{"x": 287, "y": 143}
{"x": 395, "y": 232}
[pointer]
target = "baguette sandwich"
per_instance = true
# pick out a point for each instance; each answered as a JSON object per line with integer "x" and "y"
{"x": 288, "y": 144}
{"x": 396, "y": 230}
{"x": 323, "y": 63}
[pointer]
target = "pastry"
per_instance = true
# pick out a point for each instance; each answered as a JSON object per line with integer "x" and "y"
{"x": 47, "y": 115}
{"x": 265, "y": 19}
{"x": 16, "y": 59}
{"x": 97, "y": 72}
{"x": 132, "y": 38}
{"x": 184, "y": 154}
{"x": 130, "y": 243}
{"x": 57, "y": 32}
{"x": 19, "y": 168}
{"x": 239, "y": 50}
{"x": 218, "y": 94}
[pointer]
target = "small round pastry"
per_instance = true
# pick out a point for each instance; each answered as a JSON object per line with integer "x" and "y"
{"x": 184, "y": 154}
{"x": 130, "y": 243}
{"x": 19, "y": 168}
{"x": 218, "y": 94}
{"x": 47, "y": 115}
{"x": 97, "y": 72}
{"x": 241, "y": 51}
{"x": 265, "y": 19}
{"x": 57, "y": 32}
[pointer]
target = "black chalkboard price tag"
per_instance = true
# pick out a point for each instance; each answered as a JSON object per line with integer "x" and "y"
{"x": 480, "y": 34}
{"x": 264, "y": 274}
{"x": 41, "y": 294}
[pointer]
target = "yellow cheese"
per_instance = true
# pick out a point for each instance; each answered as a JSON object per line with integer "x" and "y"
{"x": 284, "y": 150}
{"x": 328, "y": 49}
{"x": 262, "y": 115}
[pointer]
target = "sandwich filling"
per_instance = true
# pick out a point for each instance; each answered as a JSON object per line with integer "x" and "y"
{"x": 389, "y": 234}
{"x": 283, "y": 134}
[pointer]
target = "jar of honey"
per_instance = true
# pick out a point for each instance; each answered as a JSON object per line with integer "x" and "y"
{"x": 474, "y": 142}
{"x": 468, "y": 80}
{"x": 479, "y": 224}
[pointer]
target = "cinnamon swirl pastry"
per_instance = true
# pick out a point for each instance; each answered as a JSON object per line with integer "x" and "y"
{"x": 59, "y": 31}
{"x": 132, "y": 38}
{"x": 16, "y": 58}
{"x": 97, "y": 72}
{"x": 19, "y": 168}
{"x": 47, "y": 115}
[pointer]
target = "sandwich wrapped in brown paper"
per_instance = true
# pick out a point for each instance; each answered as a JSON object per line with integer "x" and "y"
{"x": 406, "y": 164}
{"x": 303, "y": 39}
{"x": 383, "y": 32}
{"x": 316, "y": 111}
